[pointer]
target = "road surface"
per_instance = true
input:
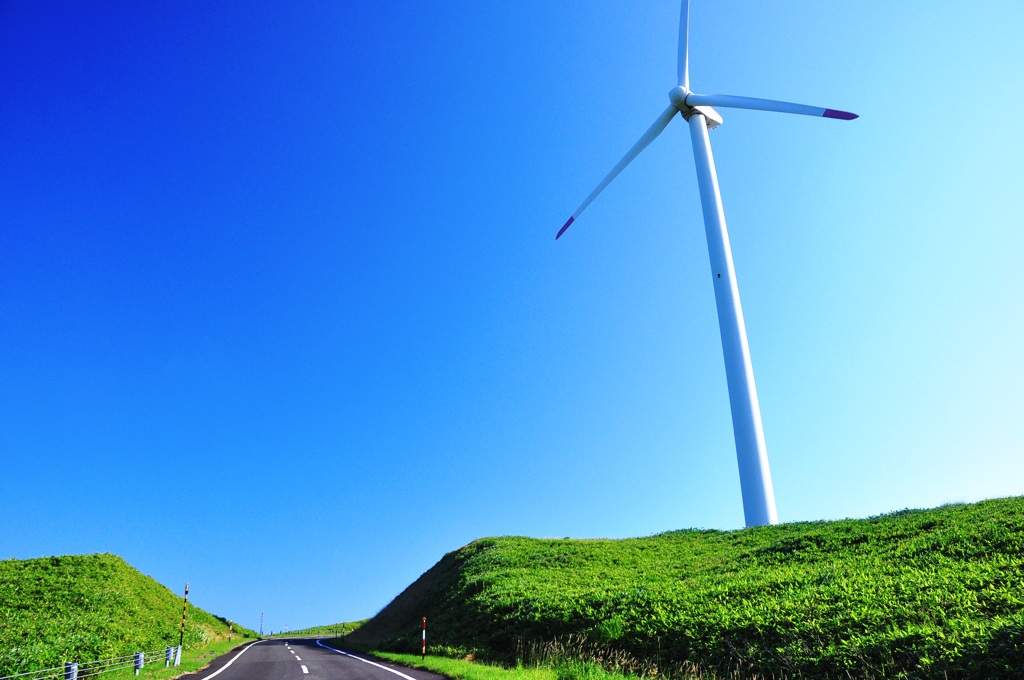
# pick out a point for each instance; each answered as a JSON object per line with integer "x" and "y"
{"x": 303, "y": 659}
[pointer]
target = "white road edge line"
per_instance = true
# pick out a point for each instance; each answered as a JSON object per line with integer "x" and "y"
{"x": 305, "y": 670}
{"x": 225, "y": 666}
{"x": 359, "y": 658}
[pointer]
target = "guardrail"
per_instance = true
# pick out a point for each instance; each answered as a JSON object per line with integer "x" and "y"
{"x": 73, "y": 670}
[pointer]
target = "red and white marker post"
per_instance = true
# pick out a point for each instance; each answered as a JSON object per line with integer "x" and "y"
{"x": 423, "y": 653}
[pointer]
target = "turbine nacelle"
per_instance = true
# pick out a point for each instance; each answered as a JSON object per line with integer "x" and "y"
{"x": 677, "y": 95}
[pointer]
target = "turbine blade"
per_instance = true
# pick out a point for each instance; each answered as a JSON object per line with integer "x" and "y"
{"x": 729, "y": 101}
{"x": 641, "y": 144}
{"x": 684, "y": 54}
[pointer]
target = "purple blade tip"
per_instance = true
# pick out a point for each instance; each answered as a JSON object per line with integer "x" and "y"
{"x": 841, "y": 115}
{"x": 564, "y": 227}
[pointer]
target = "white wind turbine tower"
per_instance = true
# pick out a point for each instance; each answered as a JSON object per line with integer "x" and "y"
{"x": 755, "y": 477}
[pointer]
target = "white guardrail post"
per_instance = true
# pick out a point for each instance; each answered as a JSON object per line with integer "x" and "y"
{"x": 140, "y": 661}
{"x": 167, "y": 656}
{"x": 177, "y": 656}
{"x": 70, "y": 671}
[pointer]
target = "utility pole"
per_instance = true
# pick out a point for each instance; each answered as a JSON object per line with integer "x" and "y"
{"x": 261, "y": 624}
{"x": 184, "y": 609}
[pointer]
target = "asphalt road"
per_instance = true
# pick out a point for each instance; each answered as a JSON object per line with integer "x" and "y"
{"x": 303, "y": 659}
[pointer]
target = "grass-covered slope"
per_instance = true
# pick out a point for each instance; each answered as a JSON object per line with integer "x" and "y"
{"x": 87, "y": 607}
{"x": 326, "y": 630}
{"x": 917, "y": 594}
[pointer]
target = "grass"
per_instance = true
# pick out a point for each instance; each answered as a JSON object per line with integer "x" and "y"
{"x": 88, "y": 607}
{"x": 549, "y": 668}
{"x": 917, "y": 594}
{"x": 458, "y": 669}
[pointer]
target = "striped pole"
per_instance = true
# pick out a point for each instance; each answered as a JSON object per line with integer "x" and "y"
{"x": 181, "y": 638}
{"x": 423, "y": 653}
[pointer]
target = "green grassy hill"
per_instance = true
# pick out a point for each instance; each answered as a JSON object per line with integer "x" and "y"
{"x": 915, "y": 594}
{"x": 87, "y": 607}
{"x": 325, "y": 630}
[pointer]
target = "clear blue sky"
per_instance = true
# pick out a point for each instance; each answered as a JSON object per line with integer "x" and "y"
{"x": 282, "y": 313}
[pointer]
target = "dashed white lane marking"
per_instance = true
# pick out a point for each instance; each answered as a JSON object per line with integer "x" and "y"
{"x": 298, "y": 659}
{"x": 305, "y": 670}
{"x": 359, "y": 658}
{"x": 225, "y": 666}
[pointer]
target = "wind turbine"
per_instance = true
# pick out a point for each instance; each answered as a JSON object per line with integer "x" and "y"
{"x": 696, "y": 109}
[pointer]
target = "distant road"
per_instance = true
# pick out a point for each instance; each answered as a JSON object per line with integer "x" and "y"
{"x": 303, "y": 659}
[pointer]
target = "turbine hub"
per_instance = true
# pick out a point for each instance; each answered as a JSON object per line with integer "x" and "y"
{"x": 677, "y": 95}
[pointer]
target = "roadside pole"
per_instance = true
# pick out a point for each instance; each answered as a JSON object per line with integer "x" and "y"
{"x": 261, "y": 624}
{"x": 423, "y": 653}
{"x": 184, "y": 609}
